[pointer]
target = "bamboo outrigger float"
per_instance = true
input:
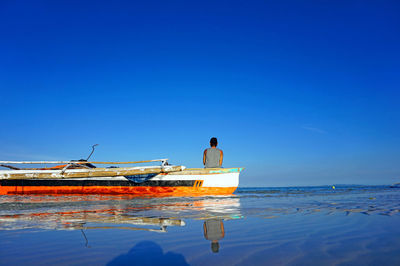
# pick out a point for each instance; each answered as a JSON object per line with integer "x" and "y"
{"x": 82, "y": 177}
{"x": 79, "y": 169}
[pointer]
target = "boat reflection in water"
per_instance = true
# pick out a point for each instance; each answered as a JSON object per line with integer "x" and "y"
{"x": 118, "y": 212}
{"x": 86, "y": 219}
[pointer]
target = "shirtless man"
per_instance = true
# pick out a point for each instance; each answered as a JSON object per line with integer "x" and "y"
{"x": 212, "y": 157}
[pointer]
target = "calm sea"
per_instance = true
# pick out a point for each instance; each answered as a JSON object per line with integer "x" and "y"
{"x": 349, "y": 225}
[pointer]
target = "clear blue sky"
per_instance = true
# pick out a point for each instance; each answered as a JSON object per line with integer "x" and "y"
{"x": 298, "y": 92}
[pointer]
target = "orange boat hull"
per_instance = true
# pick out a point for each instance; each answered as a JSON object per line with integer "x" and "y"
{"x": 190, "y": 182}
{"x": 115, "y": 190}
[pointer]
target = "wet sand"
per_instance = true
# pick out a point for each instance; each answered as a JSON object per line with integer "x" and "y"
{"x": 351, "y": 225}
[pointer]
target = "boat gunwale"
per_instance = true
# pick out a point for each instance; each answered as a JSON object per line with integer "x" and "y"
{"x": 208, "y": 171}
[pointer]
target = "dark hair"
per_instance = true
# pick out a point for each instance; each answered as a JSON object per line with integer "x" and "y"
{"x": 215, "y": 247}
{"x": 213, "y": 142}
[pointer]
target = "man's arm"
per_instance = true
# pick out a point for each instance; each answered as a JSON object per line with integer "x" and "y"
{"x": 221, "y": 157}
{"x": 204, "y": 156}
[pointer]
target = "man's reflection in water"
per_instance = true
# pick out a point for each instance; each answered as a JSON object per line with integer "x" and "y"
{"x": 214, "y": 231}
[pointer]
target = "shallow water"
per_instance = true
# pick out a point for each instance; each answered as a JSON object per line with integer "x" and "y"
{"x": 349, "y": 225}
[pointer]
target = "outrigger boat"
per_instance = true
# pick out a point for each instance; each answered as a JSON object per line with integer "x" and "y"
{"x": 82, "y": 177}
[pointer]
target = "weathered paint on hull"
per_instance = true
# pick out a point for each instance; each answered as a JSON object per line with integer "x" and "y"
{"x": 190, "y": 182}
{"x": 117, "y": 190}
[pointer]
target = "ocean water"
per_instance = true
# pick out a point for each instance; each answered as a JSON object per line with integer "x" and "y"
{"x": 349, "y": 225}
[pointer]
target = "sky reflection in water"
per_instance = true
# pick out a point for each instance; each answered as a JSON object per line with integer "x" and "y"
{"x": 307, "y": 225}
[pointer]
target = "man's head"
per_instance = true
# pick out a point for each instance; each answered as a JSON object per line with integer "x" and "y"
{"x": 215, "y": 246}
{"x": 213, "y": 142}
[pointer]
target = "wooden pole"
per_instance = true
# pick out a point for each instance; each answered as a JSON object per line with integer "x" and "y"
{"x": 78, "y": 162}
